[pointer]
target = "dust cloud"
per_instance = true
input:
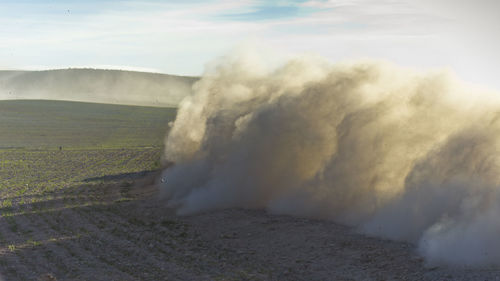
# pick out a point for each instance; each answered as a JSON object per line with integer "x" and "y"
{"x": 394, "y": 152}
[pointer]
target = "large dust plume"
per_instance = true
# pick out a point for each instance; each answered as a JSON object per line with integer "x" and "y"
{"x": 397, "y": 153}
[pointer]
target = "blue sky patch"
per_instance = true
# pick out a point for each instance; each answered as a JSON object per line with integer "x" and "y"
{"x": 269, "y": 11}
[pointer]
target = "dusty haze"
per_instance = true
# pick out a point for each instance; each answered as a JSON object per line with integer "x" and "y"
{"x": 396, "y": 153}
{"x": 94, "y": 85}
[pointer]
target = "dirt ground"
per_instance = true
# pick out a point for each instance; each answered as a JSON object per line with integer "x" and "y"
{"x": 124, "y": 232}
{"x": 107, "y": 222}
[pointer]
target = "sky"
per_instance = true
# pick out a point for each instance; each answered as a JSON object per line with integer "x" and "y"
{"x": 181, "y": 37}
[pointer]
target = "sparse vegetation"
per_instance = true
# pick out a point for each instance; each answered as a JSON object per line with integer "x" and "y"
{"x": 12, "y": 247}
{"x": 61, "y": 164}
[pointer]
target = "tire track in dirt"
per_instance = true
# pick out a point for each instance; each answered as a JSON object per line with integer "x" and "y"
{"x": 87, "y": 263}
{"x": 101, "y": 244}
{"x": 41, "y": 246}
{"x": 119, "y": 239}
{"x": 68, "y": 222}
{"x": 34, "y": 247}
{"x": 15, "y": 262}
{"x": 44, "y": 244}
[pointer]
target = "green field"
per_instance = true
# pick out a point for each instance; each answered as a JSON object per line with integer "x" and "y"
{"x": 105, "y": 149}
{"x": 97, "y": 140}
{"x": 35, "y": 124}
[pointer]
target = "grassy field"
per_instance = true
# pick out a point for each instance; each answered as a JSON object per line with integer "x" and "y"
{"x": 35, "y": 124}
{"x": 96, "y": 140}
{"x": 104, "y": 149}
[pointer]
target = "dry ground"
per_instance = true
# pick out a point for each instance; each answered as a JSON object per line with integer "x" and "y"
{"x": 106, "y": 222}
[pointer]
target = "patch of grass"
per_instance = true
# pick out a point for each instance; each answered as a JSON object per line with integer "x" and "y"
{"x": 33, "y": 243}
{"x": 12, "y": 247}
{"x": 123, "y": 200}
{"x": 7, "y": 203}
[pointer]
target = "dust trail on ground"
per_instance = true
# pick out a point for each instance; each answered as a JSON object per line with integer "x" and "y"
{"x": 397, "y": 153}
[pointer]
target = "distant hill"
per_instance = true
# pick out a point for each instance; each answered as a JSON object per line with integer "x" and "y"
{"x": 96, "y": 85}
